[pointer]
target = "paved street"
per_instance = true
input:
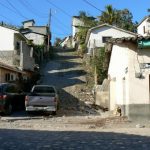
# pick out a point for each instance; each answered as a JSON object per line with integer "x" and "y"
{"x": 64, "y": 140}
{"x": 76, "y": 126}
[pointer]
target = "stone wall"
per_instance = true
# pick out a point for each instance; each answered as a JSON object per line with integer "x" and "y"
{"x": 7, "y": 57}
{"x": 102, "y": 94}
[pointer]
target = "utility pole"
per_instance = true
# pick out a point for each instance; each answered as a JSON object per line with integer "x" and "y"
{"x": 49, "y": 28}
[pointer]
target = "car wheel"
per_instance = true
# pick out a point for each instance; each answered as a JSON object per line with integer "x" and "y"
{"x": 54, "y": 113}
{"x": 8, "y": 109}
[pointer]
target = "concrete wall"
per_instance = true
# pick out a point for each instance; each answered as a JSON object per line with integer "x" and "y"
{"x": 95, "y": 39}
{"x": 27, "y": 61}
{"x": 76, "y": 22}
{"x": 102, "y": 94}
{"x": 127, "y": 91}
{"x": 38, "y": 39}
{"x": 28, "y": 24}
{"x": 7, "y": 57}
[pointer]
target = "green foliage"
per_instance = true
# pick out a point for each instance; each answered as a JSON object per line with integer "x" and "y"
{"x": 98, "y": 63}
{"x": 120, "y": 18}
{"x": 88, "y": 22}
{"x": 57, "y": 42}
{"x": 108, "y": 16}
{"x": 38, "y": 47}
{"x": 9, "y": 25}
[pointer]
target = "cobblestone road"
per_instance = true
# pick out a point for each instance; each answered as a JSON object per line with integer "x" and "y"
{"x": 69, "y": 140}
{"x": 69, "y": 130}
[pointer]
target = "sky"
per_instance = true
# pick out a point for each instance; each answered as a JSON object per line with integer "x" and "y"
{"x": 16, "y": 11}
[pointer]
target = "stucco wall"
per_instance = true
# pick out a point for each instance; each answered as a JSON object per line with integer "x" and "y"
{"x": 140, "y": 86}
{"x": 6, "y": 38}
{"x": 118, "y": 76}
{"x": 132, "y": 94}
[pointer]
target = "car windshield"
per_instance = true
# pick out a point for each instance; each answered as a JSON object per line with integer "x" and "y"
{"x": 44, "y": 90}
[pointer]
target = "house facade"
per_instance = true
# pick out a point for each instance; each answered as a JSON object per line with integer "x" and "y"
{"x": 66, "y": 42}
{"x": 76, "y": 24}
{"x": 99, "y": 35}
{"x": 129, "y": 77}
{"x": 144, "y": 27}
{"x": 14, "y": 50}
{"x": 39, "y": 35}
{"x": 9, "y": 73}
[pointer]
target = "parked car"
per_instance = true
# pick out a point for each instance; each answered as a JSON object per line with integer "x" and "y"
{"x": 42, "y": 98}
{"x": 11, "y": 98}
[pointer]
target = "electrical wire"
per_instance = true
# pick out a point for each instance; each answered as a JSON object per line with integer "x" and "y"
{"x": 16, "y": 9}
{"x": 92, "y": 5}
{"x": 59, "y": 8}
{"x": 28, "y": 7}
{"x": 8, "y": 19}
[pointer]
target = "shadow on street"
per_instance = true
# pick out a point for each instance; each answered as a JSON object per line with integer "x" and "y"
{"x": 57, "y": 140}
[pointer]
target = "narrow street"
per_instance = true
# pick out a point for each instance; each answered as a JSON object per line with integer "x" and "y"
{"x": 66, "y": 72}
{"x": 77, "y": 125}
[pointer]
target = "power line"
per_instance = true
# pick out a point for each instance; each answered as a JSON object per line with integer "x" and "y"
{"x": 28, "y": 6}
{"x": 65, "y": 26}
{"x": 59, "y": 8}
{"x": 92, "y": 5}
{"x": 8, "y": 8}
{"x": 16, "y": 9}
{"x": 8, "y": 19}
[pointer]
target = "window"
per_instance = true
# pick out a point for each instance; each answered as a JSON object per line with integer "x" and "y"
{"x": 143, "y": 29}
{"x": 106, "y": 38}
{"x": 18, "y": 48}
{"x": 44, "y": 90}
{"x": 7, "y": 77}
{"x": 12, "y": 77}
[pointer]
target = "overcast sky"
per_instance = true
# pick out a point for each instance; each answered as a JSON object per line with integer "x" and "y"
{"x": 16, "y": 11}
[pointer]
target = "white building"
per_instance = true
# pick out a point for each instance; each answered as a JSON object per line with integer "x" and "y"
{"x": 99, "y": 35}
{"x": 129, "y": 76}
{"x": 40, "y": 35}
{"x": 14, "y": 50}
{"x": 76, "y": 23}
{"x": 66, "y": 42}
{"x": 144, "y": 27}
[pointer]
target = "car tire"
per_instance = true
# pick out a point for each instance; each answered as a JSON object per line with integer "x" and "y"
{"x": 54, "y": 113}
{"x": 8, "y": 109}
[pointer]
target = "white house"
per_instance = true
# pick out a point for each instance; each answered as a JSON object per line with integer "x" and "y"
{"x": 99, "y": 35}
{"x": 144, "y": 27}
{"x": 66, "y": 42}
{"x": 129, "y": 76}
{"x": 40, "y": 35}
{"x": 14, "y": 50}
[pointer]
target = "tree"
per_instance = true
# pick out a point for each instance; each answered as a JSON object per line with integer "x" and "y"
{"x": 120, "y": 18}
{"x": 57, "y": 42}
{"x": 88, "y": 22}
{"x": 108, "y": 16}
{"x": 124, "y": 20}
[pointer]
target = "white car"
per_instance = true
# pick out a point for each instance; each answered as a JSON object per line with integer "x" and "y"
{"x": 42, "y": 98}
